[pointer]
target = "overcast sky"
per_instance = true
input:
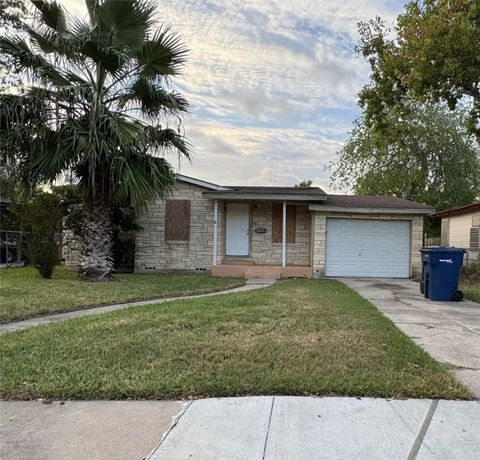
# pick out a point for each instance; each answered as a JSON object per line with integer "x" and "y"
{"x": 272, "y": 83}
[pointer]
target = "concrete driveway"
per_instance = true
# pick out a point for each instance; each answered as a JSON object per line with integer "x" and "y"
{"x": 448, "y": 331}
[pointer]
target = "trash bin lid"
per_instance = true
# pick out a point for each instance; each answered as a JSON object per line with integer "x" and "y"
{"x": 448, "y": 249}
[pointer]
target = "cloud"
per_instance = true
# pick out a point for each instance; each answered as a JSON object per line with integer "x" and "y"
{"x": 273, "y": 83}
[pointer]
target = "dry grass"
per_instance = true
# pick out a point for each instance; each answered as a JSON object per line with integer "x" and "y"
{"x": 25, "y": 295}
{"x": 296, "y": 337}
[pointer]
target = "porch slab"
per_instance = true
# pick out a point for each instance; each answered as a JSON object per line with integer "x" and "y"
{"x": 262, "y": 271}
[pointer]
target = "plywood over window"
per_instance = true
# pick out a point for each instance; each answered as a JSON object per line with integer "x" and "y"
{"x": 277, "y": 210}
{"x": 177, "y": 220}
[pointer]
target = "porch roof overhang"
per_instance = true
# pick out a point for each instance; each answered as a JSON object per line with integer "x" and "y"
{"x": 264, "y": 195}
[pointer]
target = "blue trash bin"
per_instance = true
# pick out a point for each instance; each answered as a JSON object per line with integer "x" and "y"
{"x": 441, "y": 273}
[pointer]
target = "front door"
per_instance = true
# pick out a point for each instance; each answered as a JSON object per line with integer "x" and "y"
{"x": 238, "y": 224}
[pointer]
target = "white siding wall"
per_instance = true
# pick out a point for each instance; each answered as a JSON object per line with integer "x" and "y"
{"x": 459, "y": 229}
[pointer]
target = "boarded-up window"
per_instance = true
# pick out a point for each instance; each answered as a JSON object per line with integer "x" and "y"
{"x": 177, "y": 220}
{"x": 277, "y": 210}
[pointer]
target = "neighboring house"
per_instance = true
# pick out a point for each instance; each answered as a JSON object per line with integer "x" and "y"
{"x": 279, "y": 232}
{"x": 461, "y": 228}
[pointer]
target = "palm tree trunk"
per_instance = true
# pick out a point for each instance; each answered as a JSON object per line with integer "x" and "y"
{"x": 96, "y": 261}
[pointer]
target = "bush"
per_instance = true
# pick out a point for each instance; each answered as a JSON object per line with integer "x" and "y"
{"x": 40, "y": 218}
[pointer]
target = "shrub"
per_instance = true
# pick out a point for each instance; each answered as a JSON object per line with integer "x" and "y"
{"x": 40, "y": 218}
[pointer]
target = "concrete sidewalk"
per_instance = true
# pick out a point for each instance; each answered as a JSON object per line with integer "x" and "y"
{"x": 448, "y": 331}
{"x": 251, "y": 284}
{"x": 305, "y": 428}
{"x": 83, "y": 430}
{"x": 250, "y": 428}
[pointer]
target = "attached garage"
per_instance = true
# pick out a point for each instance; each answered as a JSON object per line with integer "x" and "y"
{"x": 368, "y": 248}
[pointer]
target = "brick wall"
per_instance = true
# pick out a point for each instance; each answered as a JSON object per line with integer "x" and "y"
{"x": 319, "y": 227}
{"x": 153, "y": 253}
{"x": 264, "y": 252}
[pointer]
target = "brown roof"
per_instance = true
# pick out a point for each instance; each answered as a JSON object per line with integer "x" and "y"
{"x": 475, "y": 206}
{"x": 275, "y": 190}
{"x": 372, "y": 201}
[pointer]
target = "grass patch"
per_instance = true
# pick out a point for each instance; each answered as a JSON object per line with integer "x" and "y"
{"x": 25, "y": 295}
{"x": 471, "y": 289}
{"x": 297, "y": 337}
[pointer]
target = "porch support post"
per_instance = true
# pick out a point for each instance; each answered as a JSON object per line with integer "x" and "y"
{"x": 215, "y": 231}
{"x": 284, "y": 234}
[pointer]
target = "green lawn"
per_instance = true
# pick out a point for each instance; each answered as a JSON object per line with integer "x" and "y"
{"x": 297, "y": 337}
{"x": 23, "y": 294}
{"x": 471, "y": 289}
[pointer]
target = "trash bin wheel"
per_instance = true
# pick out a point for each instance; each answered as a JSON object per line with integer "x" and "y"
{"x": 422, "y": 287}
{"x": 457, "y": 296}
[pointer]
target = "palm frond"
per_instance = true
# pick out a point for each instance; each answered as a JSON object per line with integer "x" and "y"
{"x": 154, "y": 99}
{"x": 26, "y": 59}
{"x": 125, "y": 24}
{"x": 167, "y": 139}
{"x": 52, "y": 14}
{"x": 139, "y": 178}
{"x": 163, "y": 55}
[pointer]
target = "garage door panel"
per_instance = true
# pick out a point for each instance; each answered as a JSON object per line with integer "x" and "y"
{"x": 367, "y": 248}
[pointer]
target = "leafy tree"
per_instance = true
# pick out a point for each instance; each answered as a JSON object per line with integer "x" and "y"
{"x": 427, "y": 157}
{"x": 97, "y": 91}
{"x": 41, "y": 219}
{"x": 304, "y": 184}
{"x": 433, "y": 57}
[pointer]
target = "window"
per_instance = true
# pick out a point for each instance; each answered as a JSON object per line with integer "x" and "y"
{"x": 277, "y": 211}
{"x": 177, "y": 220}
{"x": 475, "y": 238}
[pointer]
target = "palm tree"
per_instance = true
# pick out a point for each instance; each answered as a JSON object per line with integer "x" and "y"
{"x": 95, "y": 92}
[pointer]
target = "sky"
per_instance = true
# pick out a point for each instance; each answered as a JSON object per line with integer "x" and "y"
{"x": 272, "y": 84}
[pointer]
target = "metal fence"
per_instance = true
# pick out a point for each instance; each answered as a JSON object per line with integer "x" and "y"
{"x": 12, "y": 247}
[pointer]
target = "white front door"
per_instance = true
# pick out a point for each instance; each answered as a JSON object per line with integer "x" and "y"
{"x": 238, "y": 224}
{"x": 370, "y": 248}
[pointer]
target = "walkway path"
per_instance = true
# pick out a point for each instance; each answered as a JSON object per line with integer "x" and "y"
{"x": 251, "y": 284}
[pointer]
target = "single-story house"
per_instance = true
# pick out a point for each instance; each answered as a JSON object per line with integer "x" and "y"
{"x": 461, "y": 228}
{"x": 252, "y": 231}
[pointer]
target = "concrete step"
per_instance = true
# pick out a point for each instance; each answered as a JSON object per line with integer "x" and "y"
{"x": 237, "y": 261}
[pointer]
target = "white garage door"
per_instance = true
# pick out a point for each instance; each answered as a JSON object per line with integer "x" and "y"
{"x": 358, "y": 247}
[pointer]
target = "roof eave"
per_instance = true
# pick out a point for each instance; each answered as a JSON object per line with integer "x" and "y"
{"x": 369, "y": 209}
{"x": 200, "y": 183}
{"x": 225, "y": 195}
{"x": 469, "y": 208}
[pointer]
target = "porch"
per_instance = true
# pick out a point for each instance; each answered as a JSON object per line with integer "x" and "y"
{"x": 262, "y": 271}
{"x": 261, "y": 239}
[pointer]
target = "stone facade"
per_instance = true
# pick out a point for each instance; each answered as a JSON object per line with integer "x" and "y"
{"x": 319, "y": 227}
{"x": 153, "y": 253}
{"x": 264, "y": 251}
{"x": 70, "y": 250}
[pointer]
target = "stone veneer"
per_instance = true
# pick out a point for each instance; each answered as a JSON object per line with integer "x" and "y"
{"x": 153, "y": 253}
{"x": 264, "y": 252}
{"x": 319, "y": 227}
